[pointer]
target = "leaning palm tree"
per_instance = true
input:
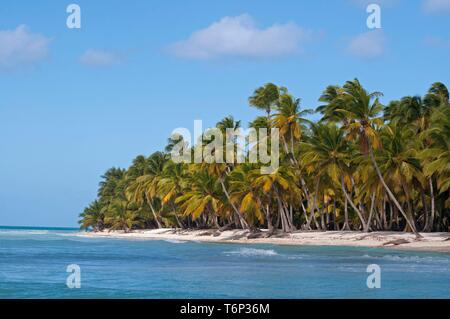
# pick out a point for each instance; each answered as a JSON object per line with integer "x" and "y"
{"x": 143, "y": 188}
{"x": 170, "y": 185}
{"x": 247, "y": 196}
{"x": 221, "y": 170}
{"x": 399, "y": 161}
{"x": 279, "y": 184}
{"x": 327, "y": 151}
{"x": 436, "y": 157}
{"x": 363, "y": 108}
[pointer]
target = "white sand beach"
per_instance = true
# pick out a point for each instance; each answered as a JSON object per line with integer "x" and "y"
{"x": 438, "y": 242}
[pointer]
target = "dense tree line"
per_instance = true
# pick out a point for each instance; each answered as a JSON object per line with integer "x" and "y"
{"x": 363, "y": 166}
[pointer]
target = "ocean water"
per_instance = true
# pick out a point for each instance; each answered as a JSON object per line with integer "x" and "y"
{"x": 33, "y": 264}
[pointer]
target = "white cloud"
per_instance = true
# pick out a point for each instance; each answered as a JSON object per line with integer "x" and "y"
{"x": 436, "y": 6}
{"x": 368, "y": 45}
{"x": 98, "y": 58}
{"x": 239, "y": 36}
{"x": 20, "y": 48}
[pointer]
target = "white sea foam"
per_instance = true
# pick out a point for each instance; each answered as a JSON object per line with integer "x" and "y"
{"x": 175, "y": 241}
{"x": 250, "y": 252}
{"x": 416, "y": 259}
{"x": 24, "y": 232}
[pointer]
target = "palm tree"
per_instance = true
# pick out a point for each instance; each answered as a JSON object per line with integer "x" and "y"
{"x": 330, "y": 110}
{"x": 362, "y": 109}
{"x": 120, "y": 217}
{"x": 201, "y": 197}
{"x": 143, "y": 188}
{"x": 399, "y": 161}
{"x": 92, "y": 216}
{"x": 289, "y": 119}
{"x": 438, "y": 94}
{"x": 170, "y": 186}
{"x": 221, "y": 170}
{"x": 109, "y": 187}
{"x": 245, "y": 194}
{"x": 327, "y": 151}
{"x": 279, "y": 184}
{"x": 265, "y": 97}
{"x": 375, "y": 169}
{"x": 436, "y": 158}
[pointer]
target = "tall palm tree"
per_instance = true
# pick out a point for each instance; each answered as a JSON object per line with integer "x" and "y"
{"x": 265, "y": 97}
{"x": 170, "y": 186}
{"x": 363, "y": 108}
{"x": 289, "y": 120}
{"x": 245, "y": 194}
{"x": 327, "y": 151}
{"x": 399, "y": 161}
{"x": 143, "y": 188}
{"x": 436, "y": 157}
{"x": 279, "y": 184}
{"x": 383, "y": 172}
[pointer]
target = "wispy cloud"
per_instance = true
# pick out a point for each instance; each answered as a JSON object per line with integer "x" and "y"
{"x": 99, "y": 58}
{"x": 436, "y": 6}
{"x": 240, "y": 37}
{"x": 21, "y": 47}
{"x": 368, "y": 45}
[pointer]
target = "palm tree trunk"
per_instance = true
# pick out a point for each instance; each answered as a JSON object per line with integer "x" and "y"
{"x": 314, "y": 206}
{"x": 391, "y": 195}
{"x": 346, "y": 225}
{"x": 367, "y": 227}
{"x": 322, "y": 220}
{"x": 363, "y": 222}
{"x": 391, "y": 216}
{"x": 153, "y": 211}
{"x": 284, "y": 220}
{"x": 426, "y": 213}
{"x": 305, "y": 215}
{"x": 178, "y": 220}
{"x": 269, "y": 218}
{"x": 335, "y": 225}
{"x": 432, "y": 217}
{"x": 241, "y": 218}
{"x": 385, "y": 224}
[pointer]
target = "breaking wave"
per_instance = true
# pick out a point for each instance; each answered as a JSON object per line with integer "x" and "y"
{"x": 175, "y": 241}
{"x": 250, "y": 252}
{"x": 415, "y": 259}
{"x": 24, "y": 232}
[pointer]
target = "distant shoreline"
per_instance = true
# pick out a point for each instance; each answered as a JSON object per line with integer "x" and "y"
{"x": 431, "y": 242}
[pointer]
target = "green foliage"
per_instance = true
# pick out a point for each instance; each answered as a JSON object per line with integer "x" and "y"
{"x": 362, "y": 166}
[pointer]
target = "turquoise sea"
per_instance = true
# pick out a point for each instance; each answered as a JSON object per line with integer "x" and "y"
{"x": 33, "y": 264}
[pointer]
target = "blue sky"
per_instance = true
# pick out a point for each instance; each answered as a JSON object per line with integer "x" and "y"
{"x": 75, "y": 102}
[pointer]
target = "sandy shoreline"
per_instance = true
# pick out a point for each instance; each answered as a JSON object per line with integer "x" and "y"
{"x": 435, "y": 242}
